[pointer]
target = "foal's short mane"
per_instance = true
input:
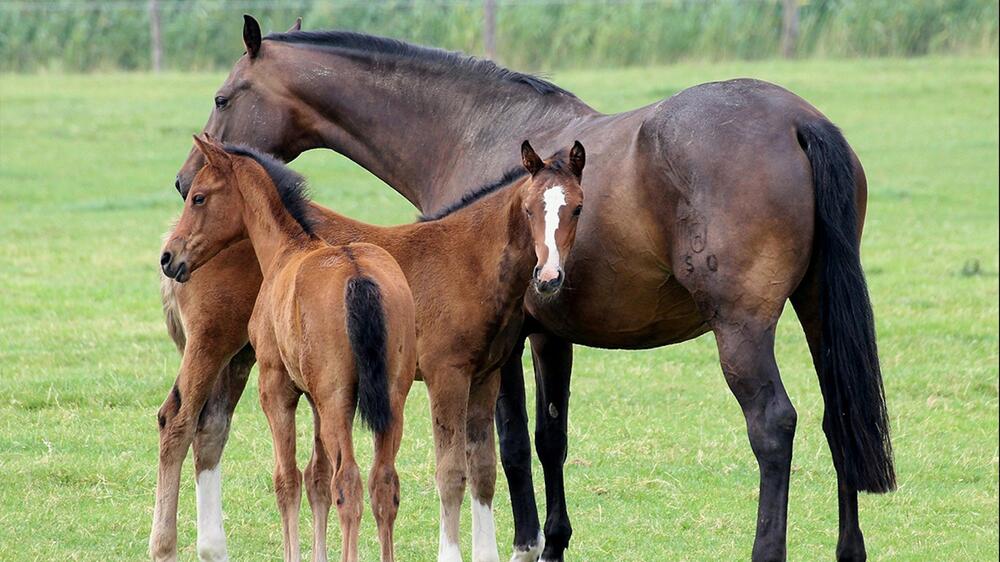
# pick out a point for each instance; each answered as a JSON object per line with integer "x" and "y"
{"x": 471, "y": 197}
{"x": 292, "y": 187}
{"x": 453, "y": 61}
{"x": 558, "y": 163}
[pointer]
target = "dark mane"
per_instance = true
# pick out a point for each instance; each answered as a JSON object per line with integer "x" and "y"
{"x": 557, "y": 163}
{"x": 373, "y": 44}
{"x": 471, "y": 197}
{"x": 292, "y": 187}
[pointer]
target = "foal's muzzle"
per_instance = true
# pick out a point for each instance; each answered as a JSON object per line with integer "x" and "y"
{"x": 174, "y": 269}
{"x": 548, "y": 286}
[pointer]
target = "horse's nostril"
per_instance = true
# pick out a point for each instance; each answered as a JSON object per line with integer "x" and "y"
{"x": 177, "y": 182}
{"x": 536, "y": 272}
{"x": 165, "y": 258}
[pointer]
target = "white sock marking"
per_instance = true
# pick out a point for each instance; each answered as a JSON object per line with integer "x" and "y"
{"x": 484, "y": 533}
{"x": 211, "y": 535}
{"x": 448, "y": 551}
{"x": 529, "y": 553}
{"x": 553, "y": 199}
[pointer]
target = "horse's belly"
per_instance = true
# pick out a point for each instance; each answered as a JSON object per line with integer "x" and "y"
{"x": 633, "y": 311}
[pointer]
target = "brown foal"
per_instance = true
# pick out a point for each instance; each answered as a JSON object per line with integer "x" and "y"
{"x": 469, "y": 268}
{"x": 334, "y": 322}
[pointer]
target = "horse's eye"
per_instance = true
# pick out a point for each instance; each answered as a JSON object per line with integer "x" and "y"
{"x": 221, "y": 102}
{"x": 577, "y": 210}
{"x": 198, "y": 199}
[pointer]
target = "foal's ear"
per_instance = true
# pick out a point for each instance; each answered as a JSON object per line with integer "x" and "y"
{"x": 530, "y": 159}
{"x": 251, "y": 35}
{"x": 297, "y": 26}
{"x": 577, "y": 159}
{"x": 214, "y": 153}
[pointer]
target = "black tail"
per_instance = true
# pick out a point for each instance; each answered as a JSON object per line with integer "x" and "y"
{"x": 849, "y": 373}
{"x": 367, "y": 333}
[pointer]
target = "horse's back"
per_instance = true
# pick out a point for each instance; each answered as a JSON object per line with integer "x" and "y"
{"x": 320, "y": 305}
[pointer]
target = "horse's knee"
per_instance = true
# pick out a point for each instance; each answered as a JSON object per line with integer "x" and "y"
{"x": 451, "y": 481}
{"x": 550, "y": 444}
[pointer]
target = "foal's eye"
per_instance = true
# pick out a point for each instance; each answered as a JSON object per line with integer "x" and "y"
{"x": 221, "y": 102}
{"x": 577, "y": 210}
{"x": 198, "y": 199}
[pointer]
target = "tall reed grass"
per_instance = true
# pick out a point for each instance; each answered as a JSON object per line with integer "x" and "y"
{"x": 83, "y": 35}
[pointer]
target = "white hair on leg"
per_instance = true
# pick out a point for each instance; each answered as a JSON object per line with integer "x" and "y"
{"x": 211, "y": 535}
{"x": 531, "y": 552}
{"x": 484, "y": 533}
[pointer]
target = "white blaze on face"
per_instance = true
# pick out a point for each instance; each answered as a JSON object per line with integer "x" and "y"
{"x": 484, "y": 533}
{"x": 553, "y": 200}
{"x": 211, "y": 535}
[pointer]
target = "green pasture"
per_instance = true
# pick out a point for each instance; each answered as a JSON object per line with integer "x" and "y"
{"x": 659, "y": 466}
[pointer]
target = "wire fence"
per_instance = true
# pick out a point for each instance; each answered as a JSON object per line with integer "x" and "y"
{"x": 84, "y": 35}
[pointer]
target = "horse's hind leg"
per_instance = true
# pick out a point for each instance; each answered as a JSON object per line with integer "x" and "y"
{"x": 278, "y": 399}
{"x": 209, "y": 442}
{"x": 850, "y": 542}
{"x": 318, "y": 478}
{"x": 383, "y": 480}
{"x": 336, "y": 412}
{"x": 746, "y": 352}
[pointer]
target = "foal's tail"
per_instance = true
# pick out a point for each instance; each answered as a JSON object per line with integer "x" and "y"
{"x": 848, "y": 365}
{"x": 367, "y": 333}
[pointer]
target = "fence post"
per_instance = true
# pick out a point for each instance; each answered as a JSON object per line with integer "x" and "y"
{"x": 490, "y": 28}
{"x": 155, "y": 43}
{"x": 789, "y": 28}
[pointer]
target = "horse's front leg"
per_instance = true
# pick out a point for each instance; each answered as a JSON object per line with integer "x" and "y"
{"x": 553, "y": 361}
{"x": 515, "y": 455}
{"x": 482, "y": 462}
{"x": 203, "y": 360}
{"x": 209, "y": 442}
{"x": 449, "y": 398}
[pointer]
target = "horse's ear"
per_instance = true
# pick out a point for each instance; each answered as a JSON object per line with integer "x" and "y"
{"x": 297, "y": 26}
{"x": 213, "y": 152}
{"x": 251, "y": 35}
{"x": 530, "y": 159}
{"x": 577, "y": 159}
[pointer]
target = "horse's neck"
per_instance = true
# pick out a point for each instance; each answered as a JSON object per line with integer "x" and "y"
{"x": 495, "y": 233}
{"x": 271, "y": 229}
{"x": 429, "y": 136}
{"x": 492, "y": 231}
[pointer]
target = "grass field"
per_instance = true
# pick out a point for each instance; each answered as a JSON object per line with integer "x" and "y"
{"x": 659, "y": 466}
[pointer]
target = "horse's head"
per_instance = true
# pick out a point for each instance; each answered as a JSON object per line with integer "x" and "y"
{"x": 212, "y": 218}
{"x": 553, "y": 200}
{"x": 253, "y": 107}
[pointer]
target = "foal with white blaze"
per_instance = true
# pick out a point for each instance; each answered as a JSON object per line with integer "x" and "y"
{"x": 336, "y": 323}
{"x": 468, "y": 268}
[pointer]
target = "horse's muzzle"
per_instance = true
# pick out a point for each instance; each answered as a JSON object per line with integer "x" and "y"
{"x": 548, "y": 287}
{"x": 178, "y": 271}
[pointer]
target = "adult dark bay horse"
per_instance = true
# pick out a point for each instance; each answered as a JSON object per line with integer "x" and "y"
{"x": 706, "y": 212}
